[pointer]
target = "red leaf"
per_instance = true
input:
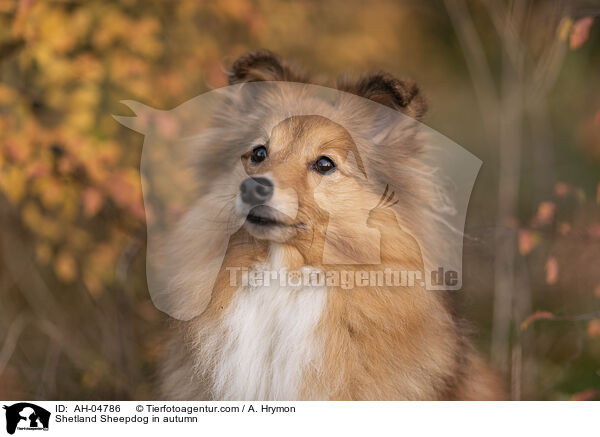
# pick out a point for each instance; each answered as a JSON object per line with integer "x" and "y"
{"x": 585, "y": 395}
{"x": 594, "y": 231}
{"x": 561, "y": 189}
{"x": 580, "y": 32}
{"x": 564, "y": 228}
{"x": 92, "y": 201}
{"x": 538, "y": 315}
{"x": 551, "y": 271}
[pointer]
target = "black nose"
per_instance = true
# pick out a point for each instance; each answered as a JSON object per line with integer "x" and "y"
{"x": 256, "y": 191}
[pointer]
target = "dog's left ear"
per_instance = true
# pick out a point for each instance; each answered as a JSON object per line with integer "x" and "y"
{"x": 383, "y": 88}
{"x": 263, "y": 65}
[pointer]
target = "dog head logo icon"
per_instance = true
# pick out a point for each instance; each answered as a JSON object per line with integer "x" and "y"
{"x": 26, "y": 416}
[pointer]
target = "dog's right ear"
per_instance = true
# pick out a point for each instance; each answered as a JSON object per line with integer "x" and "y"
{"x": 400, "y": 94}
{"x": 263, "y": 65}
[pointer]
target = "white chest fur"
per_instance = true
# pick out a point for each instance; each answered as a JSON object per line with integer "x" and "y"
{"x": 266, "y": 340}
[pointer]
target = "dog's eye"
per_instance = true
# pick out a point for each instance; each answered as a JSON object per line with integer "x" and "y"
{"x": 324, "y": 165}
{"x": 259, "y": 154}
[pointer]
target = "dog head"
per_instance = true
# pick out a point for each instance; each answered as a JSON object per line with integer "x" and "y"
{"x": 321, "y": 171}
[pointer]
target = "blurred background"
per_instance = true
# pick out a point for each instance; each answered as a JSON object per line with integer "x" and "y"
{"x": 514, "y": 82}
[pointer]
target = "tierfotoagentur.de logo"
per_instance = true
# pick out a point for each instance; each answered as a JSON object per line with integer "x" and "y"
{"x": 24, "y": 416}
{"x": 348, "y": 215}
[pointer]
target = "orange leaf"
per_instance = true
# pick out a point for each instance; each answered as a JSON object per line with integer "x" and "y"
{"x": 564, "y": 228}
{"x": 125, "y": 190}
{"x": 538, "y": 315}
{"x": 527, "y": 241}
{"x": 167, "y": 125}
{"x": 593, "y": 329}
{"x": 551, "y": 271}
{"x": 65, "y": 267}
{"x": 545, "y": 213}
{"x": 580, "y": 32}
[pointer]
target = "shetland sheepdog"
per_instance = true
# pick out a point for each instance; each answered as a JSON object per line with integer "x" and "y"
{"x": 274, "y": 340}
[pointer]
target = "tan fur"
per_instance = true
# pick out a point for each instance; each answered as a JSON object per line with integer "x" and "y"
{"x": 378, "y": 342}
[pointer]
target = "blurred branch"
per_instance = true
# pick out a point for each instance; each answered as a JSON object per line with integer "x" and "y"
{"x": 49, "y": 371}
{"x": 10, "y": 341}
{"x": 47, "y": 310}
{"x": 127, "y": 256}
{"x": 477, "y": 63}
{"x": 523, "y": 85}
{"x": 532, "y": 51}
{"x": 508, "y": 19}
{"x": 503, "y": 119}
{"x": 554, "y": 318}
{"x": 20, "y": 267}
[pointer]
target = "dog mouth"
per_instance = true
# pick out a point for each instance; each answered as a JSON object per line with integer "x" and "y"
{"x": 264, "y": 216}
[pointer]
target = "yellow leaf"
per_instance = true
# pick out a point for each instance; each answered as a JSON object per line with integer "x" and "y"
{"x": 7, "y": 95}
{"x": 80, "y": 120}
{"x": 13, "y": 183}
{"x": 50, "y": 192}
{"x": 564, "y": 28}
{"x": 43, "y": 253}
{"x": 31, "y": 215}
{"x": 65, "y": 267}
{"x": 78, "y": 239}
